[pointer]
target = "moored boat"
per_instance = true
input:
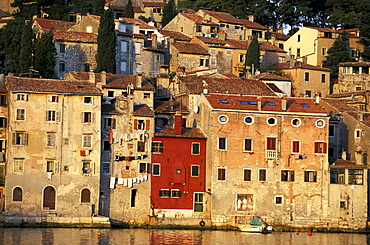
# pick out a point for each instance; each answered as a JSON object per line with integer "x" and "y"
{"x": 256, "y": 226}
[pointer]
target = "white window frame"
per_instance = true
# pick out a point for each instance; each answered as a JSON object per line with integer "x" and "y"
{"x": 192, "y": 148}
{"x": 251, "y": 150}
{"x": 52, "y": 116}
{"x": 282, "y": 200}
{"x": 22, "y": 114}
{"x": 91, "y": 100}
{"x": 50, "y": 139}
{"x": 159, "y": 169}
{"x": 18, "y": 166}
{"x": 195, "y": 165}
{"x": 218, "y": 143}
{"x": 87, "y": 141}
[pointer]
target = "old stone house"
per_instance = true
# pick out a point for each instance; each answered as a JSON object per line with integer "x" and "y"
{"x": 353, "y": 77}
{"x": 53, "y": 148}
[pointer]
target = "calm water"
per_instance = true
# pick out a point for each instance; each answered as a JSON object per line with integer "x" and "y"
{"x": 142, "y": 236}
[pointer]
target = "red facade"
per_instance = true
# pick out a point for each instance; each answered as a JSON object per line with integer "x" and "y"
{"x": 178, "y": 168}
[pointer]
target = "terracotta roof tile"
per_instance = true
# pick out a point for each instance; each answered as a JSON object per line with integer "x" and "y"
{"x": 142, "y": 23}
{"x": 341, "y": 163}
{"x": 354, "y": 64}
{"x": 278, "y": 35}
{"x": 272, "y": 103}
{"x": 190, "y": 48}
{"x": 252, "y": 25}
{"x": 239, "y": 44}
{"x": 54, "y": 25}
{"x": 143, "y": 110}
{"x": 75, "y": 36}
{"x": 301, "y": 65}
{"x": 224, "y": 17}
{"x": 271, "y": 77}
{"x": 194, "y": 84}
{"x": 322, "y": 29}
{"x": 153, "y": 4}
{"x": 39, "y": 85}
{"x": 267, "y": 46}
{"x": 186, "y": 133}
{"x": 175, "y": 35}
{"x": 212, "y": 41}
{"x": 138, "y": 10}
{"x": 193, "y": 17}
{"x": 169, "y": 107}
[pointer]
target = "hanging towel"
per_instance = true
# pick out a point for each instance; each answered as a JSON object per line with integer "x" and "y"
{"x": 145, "y": 177}
{"x": 87, "y": 152}
{"x": 129, "y": 183}
{"x": 124, "y": 182}
{"x": 138, "y": 180}
{"x": 112, "y": 182}
{"x": 120, "y": 181}
{"x": 134, "y": 180}
{"x": 49, "y": 174}
{"x": 82, "y": 153}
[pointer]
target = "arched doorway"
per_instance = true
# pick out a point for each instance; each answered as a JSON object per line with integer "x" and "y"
{"x": 49, "y": 198}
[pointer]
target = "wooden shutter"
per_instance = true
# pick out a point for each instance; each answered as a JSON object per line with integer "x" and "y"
{"x": 271, "y": 144}
{"x": 25, "y": 138}
{"x": 295, "y": 146}
{"x": 93, "y": 117}
{"x": 292, "y": 175}
{"x": 324, "y": 147}
{"x": 113, "y": 123}
{"x": 135, "y": 123}
{"x": 57, "y": 116}
{"x": 147, "y": 125}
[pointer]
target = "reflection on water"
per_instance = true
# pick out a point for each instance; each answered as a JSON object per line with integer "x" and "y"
{"x": 68, "y": 236}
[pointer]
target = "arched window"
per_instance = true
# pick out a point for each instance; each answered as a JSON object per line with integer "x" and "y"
{"x": 17, "y": 194}
{"x": 85, "y": 195}
{"x": 49, "y": 198}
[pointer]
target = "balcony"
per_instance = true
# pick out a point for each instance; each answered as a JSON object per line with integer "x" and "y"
{"x": 271, "y": 154}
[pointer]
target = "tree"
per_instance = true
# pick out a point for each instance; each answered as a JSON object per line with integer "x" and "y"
{"x": 129, "y": 10}
{"x": 169, "y": 12}
{"x": 26, "y": 52}
{"x": 106, "y": 54}
{"x": 252, "y": 57}
{"x": 338, "y": 53}
{"x": 45, "y": 56}
{"x": 98, "y": 7}
{"x": 59, "y": 10}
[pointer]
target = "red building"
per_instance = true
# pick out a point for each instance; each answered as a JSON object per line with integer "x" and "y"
{"x": 178, "y": 170}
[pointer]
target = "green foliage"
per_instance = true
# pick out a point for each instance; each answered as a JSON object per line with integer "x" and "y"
{"x": 85, "y": 6}
{"x": 237, "y": 8}
{"x": 98, "y": 7}
{"x": 338, "y": 53}
{"x": 169, "y": 12}
{"x": 25, "y": 9}
{"x": 106, "y": 54}
{"x": 45, "y": 56}
{"x": 252, "y": 57}
{"x": 143, "y": 18}
{"x": 26, "y": 52}
{"x": 129, "y": 10}
{"x": 59, "y": 10}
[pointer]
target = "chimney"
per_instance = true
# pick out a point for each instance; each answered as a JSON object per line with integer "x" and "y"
{"x": 344, "y": 155}
{"x": 222, "y": 35}
{"x": 317, "y": 98}
{"x": 251, "y": 18}
{"x": 271, "y": 29}
{"x": 139, "y": 80}
{"x": 280, "y": 30}
{"x": 92, "y": 77}
{"x": 205, "y": 87}
{"x": 273, "y": 39}
{"x": 103, "y": 78}
{"x": 178, "y": 123}
{"x": 360, "y": 116}
{"x": 154, "y": 41}
{"x": 259, "y": 103}
{"x": 292, "y": 61}
{"x": 283, "y": 103}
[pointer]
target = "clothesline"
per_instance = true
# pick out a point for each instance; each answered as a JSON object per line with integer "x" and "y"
{"x": 128, "y": 182}
{"x": 130, "y": 158}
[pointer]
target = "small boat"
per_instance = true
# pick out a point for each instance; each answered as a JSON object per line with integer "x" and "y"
{"x": 256, "y": 226}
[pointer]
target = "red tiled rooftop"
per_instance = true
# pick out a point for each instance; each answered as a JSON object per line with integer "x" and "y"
{"x": 169, "y": 107}
{"x": 238, "y": 44}
{"x": 224, "y": 17}
{"x": 301, "y": 65}
{"x": 267, "y": 46}
{"x": 153, "y": 4}
{"x": 186, "y": 133}
{"x": 175, "y": 35}
{"x": 271, "y": 77}
{"x": 341, "y": 163}
{"x": 211, "y": 40}
{"x": 75, "y": 36}
{"x": 54, "y": 25}
{"x": 190, "y": 48}
{"x": 252, "y": 25}
{"x": 278, "y": 35}
{"x": 193, "y": 17}
{"x": 142, "y": 23}
{"x": 143, "y": 110}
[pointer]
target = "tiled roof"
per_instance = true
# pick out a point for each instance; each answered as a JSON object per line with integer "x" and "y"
{"x": 2, "y": 88}
{"x": 224, "y": 17}
{"x": 354, "y": 64}
{"x": 75, "y": 36}
{"x": 348, "y": 94}
{"x": 271, "y": 77}
{"x": 39, "y": 85}
{"x": 322, "y": 29}
{"x": 193, "y": 17}
{"x": 153, "y": 4}
{"x": 169, "y": 107}
{"x": 186, "y": 133}
{"x": 252, "y": 25}
{"x": 142, "y": 23}
{"x": 118, "y": 8}
{"x": 273, "y": 103}
{"x": 143, "y": 110}
{"x": 301, "y": 65}
{"x": 175, "y": 35}
{"x": 190, "y": 48}
{"x": 274, "y": 88}
{"x": 239, "y": 44}
{"x": 194, "y": 84}
{"x": 278, "y": 35}
{"x": 341, "y": 163}
{"x": 211, "y": 40}
{"x": 54, "y": 25}
{"x": 267, "y": 46}
{"x": 138, "y": 10}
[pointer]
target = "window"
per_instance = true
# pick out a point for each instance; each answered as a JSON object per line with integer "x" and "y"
{"x": 320, "y": 123}
{"x": 176, "y": 193}
{"x": 87, "y": 100}
{"x": 222, "y": 143}
{"x": 323, "y": 78}
{"x": 106, "y": 167}
{"x": 198, "y": 28}
{"x": 223, "y": 118}
{"x": 308, "y": 93}
{"x": 123, "y": 46}
{"x": 248, "y": 120}
{"x": 221, "y": 173}
{"x": 52, "y": 116}
{"x": 194, "y": 170}
{"x": 198, "y": 202}
{"x": 2, "y": 100}
{"x": 123, "y": 66}
{"x": 54, "y": 98}
{"x": 87, "y": 168}
{"x": 244, "y": 202}
{"x": 21, "y": 97}
{"x": 287, "y": 175}
{"x": 2, "y": 122}
{"x": 85, "y": 196}
{"x": 49, "y": 198}
{"x": 87, "y": 117}
{"x": 20, "y": 138}
{"x": 133, "y": 197}
{"x": 310, "y": 176}
{"x": 86, "y": 140}
{"x": 337, "y": 176}
{"x": 247, "y": 144}
{"x": 164, "y": 193}
{"x": 62, "y": 66}
{"x": 278, "y": 200}
{"x": 143, "y": 167}
{"x": 271, "y": 144}
{"x": 87, "y": 67}
{"x": 109, "y": 122}
{"x": 247, "y": 175}
{"x": 271, "y": 121}
{"x": 307, "y": 76}
{"x": 156, "y": 169}
{"x": 50, "y": 139}
{"x": 62, "y": 48}
{"x": 21, "y": 114}
{"x": 296, "y": 122}
{"x": 140, "y": 146}
{"x": 298, "y": 38}
{"x": 2, "y": 146}
{"x": 355, "y": 176}
{"x": 357, "y": 133}
{"x": 110, "y": 93}
{"x": 331, "y": 130}
{"x": 157, "y": 147}
{"x": 146, "y": 95}
{"x": 50, "y": 166}
{"x": 141, "y": 124}
{"x": 17, "y": 194}
{"x": 262, "y": 175}
{"x": 18, "y": 165}
{"x": 137, "y": 48}
{"x": 320, "y": 147}
{"x": 323, "y": 51}
{"x": 195, "y": 148}
{"x": 204, "y": 62}
{"x": 298, "y": 52}
{"x": 295, "y": 146}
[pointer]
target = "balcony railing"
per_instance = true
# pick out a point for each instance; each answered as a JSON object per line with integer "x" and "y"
{"x": 271, "y": 154}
